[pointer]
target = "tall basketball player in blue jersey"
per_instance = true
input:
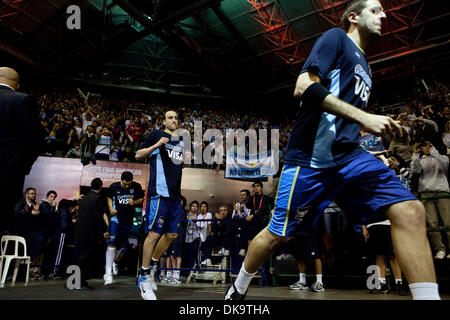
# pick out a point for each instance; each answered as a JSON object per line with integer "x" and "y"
{"x": 324, "y": 162}
{"x": 164, "y": 210}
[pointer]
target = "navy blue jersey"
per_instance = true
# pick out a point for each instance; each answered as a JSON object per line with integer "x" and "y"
{"x": 120, "y": 198}
{"x": 320, "y": 139}
{"x": 166, "y": 164}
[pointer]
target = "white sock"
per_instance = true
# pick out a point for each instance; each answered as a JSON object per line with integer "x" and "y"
{"x": 176, "y": 274}
{"x": 163, "y": 273}
{"x": 243, "y": 280}
{"x": 319, "y": 278}
{"x": 169, "y": 274}
{"x": 302, "y": 277}
{"x": 109, "y": 259}
{"x": 116, "y": 254}
{"x": 382, "y": 280}
{"x": 424, "y": 291}
{"x": 398, "y": 281}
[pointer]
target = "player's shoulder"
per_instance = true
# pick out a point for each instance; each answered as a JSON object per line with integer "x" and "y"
{"x": 136, "y": 184}
{"x": 335, "y": 32}
{"x": 115, "y": 185}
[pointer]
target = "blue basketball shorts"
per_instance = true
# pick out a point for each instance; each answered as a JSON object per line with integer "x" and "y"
{"x": 163, "y": 215}
{"x": 360, "y": 187}
{"x": 118, "y": 234}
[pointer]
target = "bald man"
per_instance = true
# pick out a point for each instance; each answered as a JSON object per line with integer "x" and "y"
{"x": 20, "y": 139}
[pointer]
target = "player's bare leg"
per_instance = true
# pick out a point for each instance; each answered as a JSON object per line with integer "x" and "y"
{"x": 412, "y": 249}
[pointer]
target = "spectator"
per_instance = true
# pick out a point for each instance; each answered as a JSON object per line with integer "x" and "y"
{"x": 42, "y": 230}
{"x": 238, "y": 224}
{"x": 59, "y": 224}
{"x": 74, "y": 152}
{"x": 400, "y": 146}
{"x": 306, "y": 245}
{"x": 26, "y": 224}
{"x": 115, "y": 150}
{"x": 87, "y": 147}
{"x": 193, "y": 231}
{"x": 128, "y": 155}
{"x": 206, "y": 230}
{"x": 135, "y": 131}
{"x": 446, "y": 137}
{"x": 103, "y": 149}
{"x": 434, "y": 190}
{"x": 259, "y": 211}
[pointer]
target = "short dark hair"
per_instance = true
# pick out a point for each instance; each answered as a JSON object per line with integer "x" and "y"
{"x": 96, "y": 183}
{"x": 247, "y": 192}
{"x": 64, "y": 203}
{"x": 126, "y": 176}
{"x": 30, "y": 188}
{"x": 193, "y": 202}
{"x": 356, "y": 6}
{"x": 204, "y": 202}
{"x": 257, "y": 182}
{"x": 51, "y": 192}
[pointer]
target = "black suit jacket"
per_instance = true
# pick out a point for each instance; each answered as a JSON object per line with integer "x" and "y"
{"x": 90, "y": 225}
{"x": 21, "y": 133}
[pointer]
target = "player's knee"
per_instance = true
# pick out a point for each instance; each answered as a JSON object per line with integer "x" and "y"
{"x": 410, "y": 214}
{"x": 172, "y": 236}
{"x": 275, "y": 239}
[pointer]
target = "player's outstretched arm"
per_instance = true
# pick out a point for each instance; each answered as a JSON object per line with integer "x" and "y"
{"x": 376, "y": 124}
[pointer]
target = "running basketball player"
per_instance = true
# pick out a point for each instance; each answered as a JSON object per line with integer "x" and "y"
{"x": 122, "y": 198}
{"x": 324, "y": 162}
{"x": 164, "y": 210}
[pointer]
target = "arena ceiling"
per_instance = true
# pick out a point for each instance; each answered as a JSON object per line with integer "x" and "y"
{"x": 209, "y": 47}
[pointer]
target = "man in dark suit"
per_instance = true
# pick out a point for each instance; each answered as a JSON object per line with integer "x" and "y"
{"x": 90, "y": 230}
{"x": 21, "y": 138}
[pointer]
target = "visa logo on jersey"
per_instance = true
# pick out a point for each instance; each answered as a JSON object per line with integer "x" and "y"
{"x": 175, "y": 155}
{"x": 124, "y": 199}
{"x": 363, "y": 83}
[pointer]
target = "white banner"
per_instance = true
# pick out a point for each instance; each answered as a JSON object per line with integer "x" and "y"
{"x": 250, "y": 166}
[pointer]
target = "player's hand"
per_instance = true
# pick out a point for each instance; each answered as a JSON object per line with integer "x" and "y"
{"x": 249, "y": 218}
{"x": 113, "y": 212}
{"x": 162, "y": 141}
{"x": 381, "y": 125}
{"x": 106, "y": 235}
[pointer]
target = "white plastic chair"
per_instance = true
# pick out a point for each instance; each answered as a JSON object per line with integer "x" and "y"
{"x": 9, "y": 257}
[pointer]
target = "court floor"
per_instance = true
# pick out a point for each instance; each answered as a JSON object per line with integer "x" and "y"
{"x": 124, "y": 288}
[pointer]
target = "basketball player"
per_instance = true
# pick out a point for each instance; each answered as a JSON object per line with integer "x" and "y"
{"x": 122, "y": 198}
{"x": 164, "y": 210}
{"x": 324, "y": 162}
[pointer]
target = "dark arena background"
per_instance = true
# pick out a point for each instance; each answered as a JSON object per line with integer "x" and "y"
{"x": 230, "y": 64}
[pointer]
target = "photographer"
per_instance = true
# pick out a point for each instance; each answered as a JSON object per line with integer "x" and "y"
{"x": 432, "y": 169}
